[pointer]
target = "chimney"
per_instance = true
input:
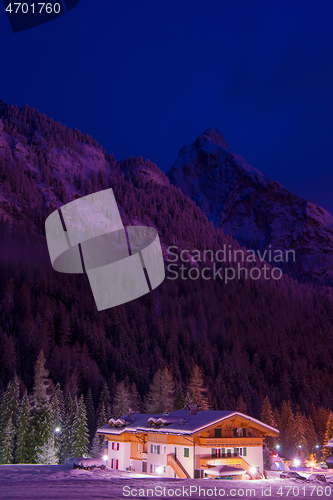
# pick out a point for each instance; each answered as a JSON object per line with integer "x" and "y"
{"x": 193, "y": 409}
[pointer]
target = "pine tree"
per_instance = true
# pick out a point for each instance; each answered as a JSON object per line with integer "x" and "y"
{"x": 136, "y": 402}
{"x": 9, "y": 406}
{"x": 23, "y": 451}
{"x": 57, "y": 419}
{"x": 104, "y": 407}
{"x": 42, "y": 383}
{"x": 287, "y": 429}
{"x": 91, "y": 415}
{"x": 7, "y": 443}
{"x": 241, "y": 405}
{"x": 80, "y": 433}
{"x": 277, "y": 417}
{"x": 67, "y": 433}
{"x": 268, "y": 418}
{"x": 322, "y": 419}
{"x": 267, "y": 453}
{"x": 328, "y": 452}
{"x": 122, "y": 401}
{"x": 47, "y": 454}
{"x": 96, "y": 447}
{"x": 179, "y": 399}
{"x": 311, "y": 436}
{"x": 196, "y": 392}
{"x": 42, "y": 429}
{"x": 300, "y": 427}
{"x": 160, "y": 398}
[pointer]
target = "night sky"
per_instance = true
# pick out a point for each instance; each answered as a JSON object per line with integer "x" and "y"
{"x": 145, "y": 78}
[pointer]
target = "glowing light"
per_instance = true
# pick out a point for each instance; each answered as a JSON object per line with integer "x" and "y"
{"x": 317, "y": 446}
{"x": 57, "y": 429}
{"x": 159, "y": 470}
{"x": 312, "y": 464}
{"x": 300, "y": 446}
{"x": 297, "y": 462}
{"x": 277, "y": 446}
{"x": 105, "y": 458}
{"x": 253, "y": 470}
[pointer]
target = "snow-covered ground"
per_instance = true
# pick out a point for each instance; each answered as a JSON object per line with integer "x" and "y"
{"x": 37, "y": 482}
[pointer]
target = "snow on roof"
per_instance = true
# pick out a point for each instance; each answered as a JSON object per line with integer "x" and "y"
{"x": 177, "y": 422}
{"x": 329, "y": 444}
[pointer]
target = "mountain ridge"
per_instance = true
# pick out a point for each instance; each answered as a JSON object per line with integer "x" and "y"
{"x": 255, "y": 210}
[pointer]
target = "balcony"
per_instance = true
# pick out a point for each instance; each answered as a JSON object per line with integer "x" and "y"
{"x": 230, "y": 442}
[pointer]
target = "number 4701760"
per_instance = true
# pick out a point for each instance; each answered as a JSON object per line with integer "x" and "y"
{"x": 37, "y": 8}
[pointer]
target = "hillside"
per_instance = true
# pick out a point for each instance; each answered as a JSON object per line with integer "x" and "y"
{"x": 250, "y": 338}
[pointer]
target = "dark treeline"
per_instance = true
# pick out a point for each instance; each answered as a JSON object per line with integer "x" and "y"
{"x": 50, "y": 425}
{"x": 249, "y": 338}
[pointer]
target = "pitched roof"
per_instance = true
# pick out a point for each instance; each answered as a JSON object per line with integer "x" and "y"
{"x": 177, "y": 422}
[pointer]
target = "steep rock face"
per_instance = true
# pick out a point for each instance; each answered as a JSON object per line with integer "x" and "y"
{"x": 258, "y": 212}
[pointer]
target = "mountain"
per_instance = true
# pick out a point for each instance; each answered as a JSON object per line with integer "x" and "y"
{"x": 250, "y": 337}
{"x": 258, "y": 212}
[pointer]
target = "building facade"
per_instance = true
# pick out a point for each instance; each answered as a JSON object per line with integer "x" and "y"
{"x": 185, "y": 443}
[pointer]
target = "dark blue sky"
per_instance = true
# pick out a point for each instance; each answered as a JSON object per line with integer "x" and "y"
{"x": 146, "y": 77}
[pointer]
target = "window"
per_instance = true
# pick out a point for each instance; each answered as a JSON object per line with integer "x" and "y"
{"x": 244, "y": 452}
{"x": 154, "y": 467}
{"x": 155, "y": 448}
{"x": 244, "y": 432}
{"x": 218, "y": 433}
{"x": 112, "y": 445}
{"x": 213, "y": 453}
{"x": 164, "y": 450}
{"x": 235, "y": 431}
{"x": 117, "y": 464}
{"x": 112, "y": 463}
{"x": 164, "y": 469}
{"x": 144, "y": 466}
{"x": 223, "y": 452}
{"x": 139, "y": 447}
{"x": 235, "y": 452}
{"x": 228, "y": 453}
{"x": 117, "y": 446}
{"x": 186, "y": 452}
